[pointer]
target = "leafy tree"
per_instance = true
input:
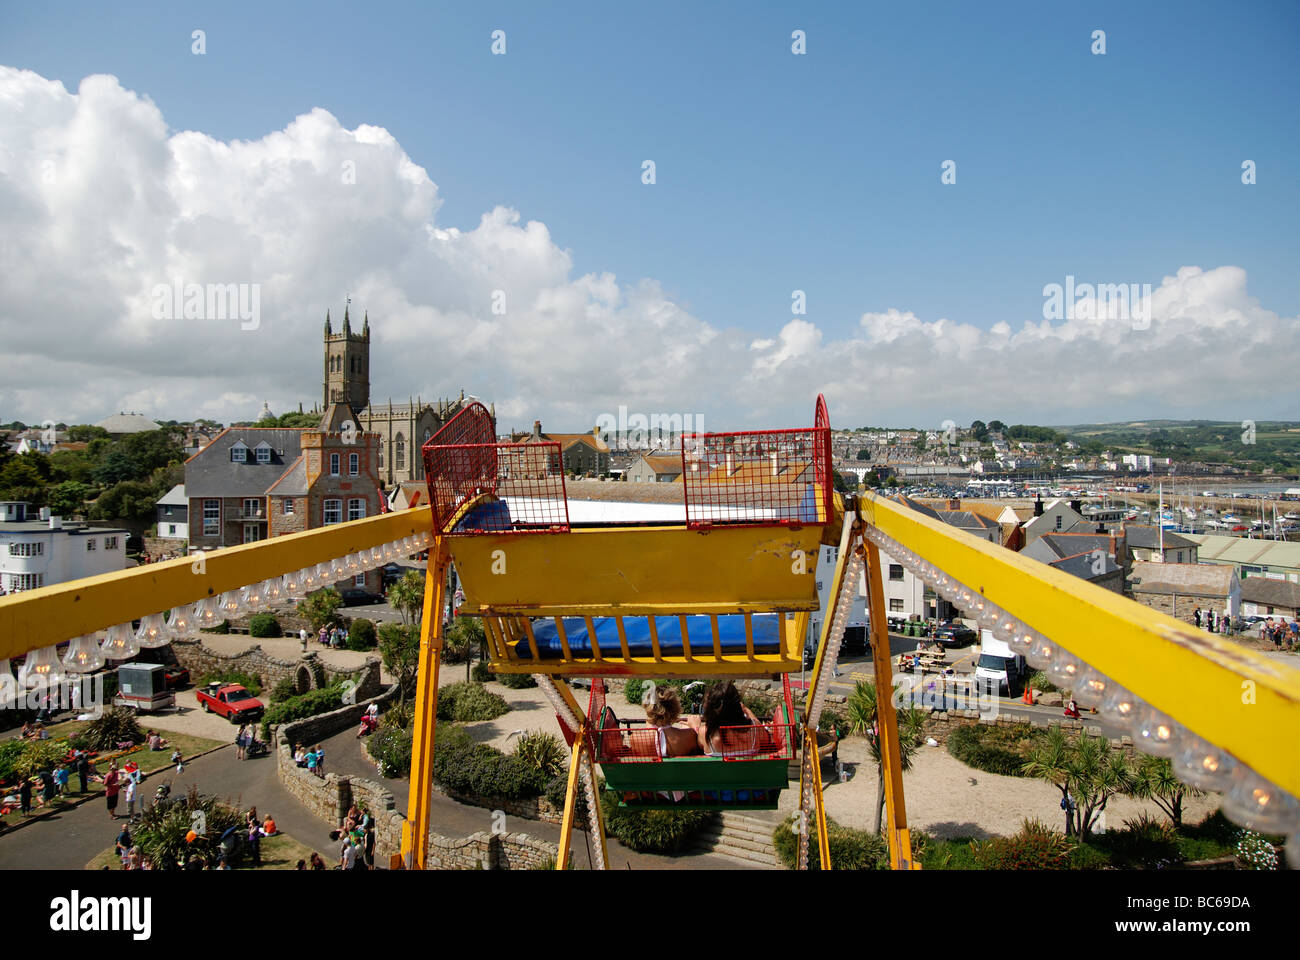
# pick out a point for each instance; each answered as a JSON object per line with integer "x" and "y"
{"x": 407, "y": 595}
{"x": 1087, "y": 772}
{"x": 84, "y": 433}
{"x": 919, "y": 443}
{"x": 997, "y": 426}
{"x": 864, "y": 454}
{"x": 841, "y": 484}
{"x": 28, "y": 470}
{"x": 979, "y": 430}
{"x": 68, "y": 498}
{"x": 294, "y": 419}
{"x": 1154, "y": 779}
{"x": 130, "y": 500}
{"x": 70, "y": 465}
{"x": 116, "y": 467}
{"x": 399, "y": 648}
{"x": 321, "y": 607}
{"x": 861, "y": 711}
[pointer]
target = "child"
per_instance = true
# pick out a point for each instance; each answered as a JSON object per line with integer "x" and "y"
{"x": 177, "y": 759}
{"x": 311, "y": 761}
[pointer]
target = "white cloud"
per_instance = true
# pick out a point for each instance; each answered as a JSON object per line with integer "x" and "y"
{"x": 100, "y": 203}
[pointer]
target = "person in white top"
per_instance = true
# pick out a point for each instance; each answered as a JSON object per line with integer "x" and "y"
{"x": 347, "y": 855}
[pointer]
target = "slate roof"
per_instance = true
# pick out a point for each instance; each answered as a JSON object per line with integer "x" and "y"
{"x": 1069, "y": 545}
{"x": 1185, "y": 579}
{"x": 211, "y": 472}
{"x": 1081, "y": 565}
{"x": 1272, "y": 593}
{"x": 1148, "y": 538}
{"x": 294, "y": 481}
{"x": 175, "y": 497}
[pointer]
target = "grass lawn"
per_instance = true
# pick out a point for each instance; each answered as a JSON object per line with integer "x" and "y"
{"x": 149, "y": 761}
{"x": 280, "y": 852}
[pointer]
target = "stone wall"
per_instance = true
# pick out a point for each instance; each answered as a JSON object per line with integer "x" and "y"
{"x": 308, "y": 669}
{"x": 329, "y": 798}
{"x": 941, "y": 724}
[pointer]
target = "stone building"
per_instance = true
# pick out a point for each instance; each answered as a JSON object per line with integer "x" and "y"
{"x": 402, "y": 428}
{"x": 1179, "y": 588}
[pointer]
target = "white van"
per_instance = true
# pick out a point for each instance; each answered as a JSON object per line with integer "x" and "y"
{"x": 998, "y": 665}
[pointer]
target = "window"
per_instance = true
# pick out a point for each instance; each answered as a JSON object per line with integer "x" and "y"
{"x": 263, "y": 454}
{"x": 26, "y": 549}
{"x": 895, "y": 571}
{"x": 239, "y": 454}
{"x": 110, "y": 543}
{"x": 359, "y": 580}
{"x": 288, "y": 504}
{"x": 252, "y": 507}
{"x": 354, "y": 464}
{"x": 1180, "y": 556}
{"x": 333, "y": 511}
{"x": 252, "y": 532}
{"x": 171, "y": 528}
{"x": 90, "y": 544}
{"x": 356, "y": 508}
{"x": 211, "y": 517}
{"x": 399, "y": 454}
{"x": 26, "y": 581}
{"x": 1059, "y": 518}
{"x": 381, "y": 454}
{"x": 895, "y": 606}
{"x": 334, "y": 464}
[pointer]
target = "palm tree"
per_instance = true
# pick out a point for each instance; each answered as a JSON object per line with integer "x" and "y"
{"x": 407, "y": 595}
{"x": 1154, "y": 779}
{"x": 862, "y": 719}
{"x": 1087, "y": 771}
{"x": 1049, "y": 761}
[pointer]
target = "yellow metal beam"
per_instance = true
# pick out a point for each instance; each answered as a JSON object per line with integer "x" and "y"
{"x": 570, "y": 800}
{"x": 415, "y": 829}
{"x": 900, "y": 841}
{"x": 819, "y": 801}
{"x": 57, "y": 613}
{"x": 1230, "y": 696}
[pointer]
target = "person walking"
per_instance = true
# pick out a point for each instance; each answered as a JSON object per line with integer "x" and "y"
{"x": 83, "y": 769}
{"x": 369, "y": 845}
{"x": 112, "y": 786}
{"x": 25, "y": 796}
{"x": 320, "y": 760}
{"x": 129, "y": 792}
{"x": 241, "y": 741}
{"x": 1196, "y": 617}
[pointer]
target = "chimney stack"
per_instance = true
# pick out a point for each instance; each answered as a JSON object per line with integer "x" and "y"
{"x": 537, "y": 429}
{"x": 1077, "y": 506}
{"x": 56, "y": 523}
{"x": 1038, "y": 505}
{"x": 775, "y": 468}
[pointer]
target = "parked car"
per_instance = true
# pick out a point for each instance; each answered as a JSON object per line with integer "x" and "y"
{"x": 393, "y": 572}
{"x": 356, "y": 597}
{"x": 230, "y": 700}
{"x": 954, "y": 635}
{"x": 176, "y": 677}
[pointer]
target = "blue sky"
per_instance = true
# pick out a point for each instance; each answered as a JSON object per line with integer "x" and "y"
{"x": 777, "y": 172}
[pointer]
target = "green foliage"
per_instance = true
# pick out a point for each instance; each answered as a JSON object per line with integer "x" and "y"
{"x": 1084, "y": 856}
{"x": 516, "y": 681}
{"x": 320, "y": 700}
{"x": 469, "y": 701}
{"x": 851, "y": 849}
{"x": 1021, "y": 431}
{"x": 361, "y": 634}
{"x": 294, "y": 420}
{"x": 10, "y": 751}
{"x": 406, "y": 596}
{"x": 399, "y": 648}
{"x": 68, "y": 498}
{"x": 994, "y": 748}
{"x": 1145, "y": 843}
{"x": 1256, "y": 853}
{"x": 398, "y": 716}
{"x": 935, "y": 854}
{"x": 651, "y": 831}
{"x": 634, "y": 689}
{"x": 462, "y": 766}
{"x": 481, "y": 672}
{"x": 390, "y": 746}
{"x": 250, "y": 682}
{"x": 321, "y": 608}
{"x": 84, "y": 433}
{"x": 1154, "y": 779}
{"x": 264, "y": 625}
{"x": 128, "y": 500}
{"x": 40, "y": 755}
{"x": 283, "y": 690}
{"x": 115, "y": 725}
{"x": 542, "y": 750}
{"x": 1087, "y": 768}
{"x": 1038, "y": 680}
{"x": 222, "y": 627}
{"x": 464, "y": 636}
{"x": 162, "y": 830}
{"x": 1035, "y": 847}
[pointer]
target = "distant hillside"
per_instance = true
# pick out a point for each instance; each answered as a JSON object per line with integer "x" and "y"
{"x": 1257, "y": 444}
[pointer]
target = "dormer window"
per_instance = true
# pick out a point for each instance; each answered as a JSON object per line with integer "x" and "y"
{"x": 263, "y": 451}
{"x": 239, "y": 452}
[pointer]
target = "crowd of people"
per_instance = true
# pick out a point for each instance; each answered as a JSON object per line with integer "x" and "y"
{"x": 1281, "y": 634}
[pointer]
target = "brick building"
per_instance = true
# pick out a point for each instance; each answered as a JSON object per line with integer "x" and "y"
{"x": 251, "y": 483}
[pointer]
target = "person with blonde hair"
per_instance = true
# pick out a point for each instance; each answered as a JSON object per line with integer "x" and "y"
{"x": 663, "y": 709}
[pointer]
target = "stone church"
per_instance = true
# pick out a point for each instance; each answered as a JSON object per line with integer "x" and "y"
{"x": 402, "y": 427}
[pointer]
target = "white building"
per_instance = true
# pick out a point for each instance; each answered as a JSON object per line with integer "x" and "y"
{"x": 42, "y": 551}
{"x": 173, "y": 515}
{"x": 1137, "y": 461}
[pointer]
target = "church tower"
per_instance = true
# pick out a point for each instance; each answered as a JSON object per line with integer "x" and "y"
{"x": 347, "y": 365}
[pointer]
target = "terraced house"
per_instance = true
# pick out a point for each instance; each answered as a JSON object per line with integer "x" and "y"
{"x": 251, "y": 483}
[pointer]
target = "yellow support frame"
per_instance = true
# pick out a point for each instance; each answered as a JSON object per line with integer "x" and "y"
{"x": 415, "y": 829}
{"x": 1232, "y": 697}
{"x": 58, "y": 613}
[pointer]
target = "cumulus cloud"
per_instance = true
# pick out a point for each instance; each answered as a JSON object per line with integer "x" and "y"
{"x": 102, "y": 205}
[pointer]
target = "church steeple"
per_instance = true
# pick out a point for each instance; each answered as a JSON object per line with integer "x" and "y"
{"x": 365, "y": 328}
{"x": 328, "y": 331}
{"x": 347, "y": 327}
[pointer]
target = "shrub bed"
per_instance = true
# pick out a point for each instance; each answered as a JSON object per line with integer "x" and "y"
{"x": 302, "y": 706}
{"x": 1035, "y": 847}
{"x": 252, "y": 683}
{"x": 264, "y": 625}
{"x": 361, "y": 634}
{"x": 390, "y": 747}
{"x": 1000, "y": 748}
{"x": 851, "y": 849}
{"x": 462, "y": 766}
{"x": 516, "y": 681}
{"x": 468, "y": 701}
{"x": 649, "y": 831}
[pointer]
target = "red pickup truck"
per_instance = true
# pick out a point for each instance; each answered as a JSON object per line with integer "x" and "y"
{"x": 231, "y": 701}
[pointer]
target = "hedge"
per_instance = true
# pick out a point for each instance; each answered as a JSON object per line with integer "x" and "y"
{"x": 264, "y": 625}
{"x": 851, "y": 849}
{"x": 390, "y": 747}
{"x": 463, "y": 766}
{"x": 304, "y": 705}
{"x": 250, "y": 682}
{"x": 650, "y": 831}
{"x": 468, "y": 701}
{"x": 1000, "y": 748}
{"x": 361, "y": 634}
